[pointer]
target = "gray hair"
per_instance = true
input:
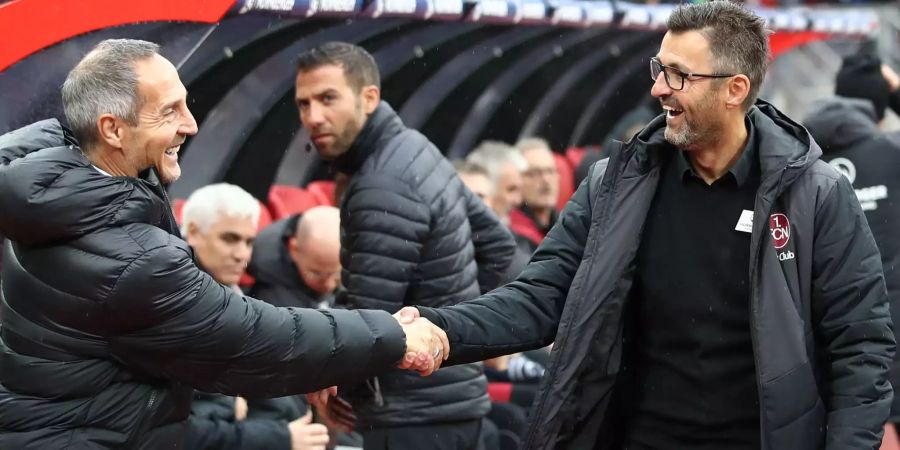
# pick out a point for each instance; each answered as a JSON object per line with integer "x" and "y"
{"x": 207, "y": 205}
{"x": 492, "y": 155}
{"x": 104, "y": 82}
{"x": 738, "y": 39}
{"x": 532, "y": 143}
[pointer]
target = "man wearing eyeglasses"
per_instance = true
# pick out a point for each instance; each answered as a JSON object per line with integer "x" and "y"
{"x": 711, "y": 285}
{"x": 297, "y": 260}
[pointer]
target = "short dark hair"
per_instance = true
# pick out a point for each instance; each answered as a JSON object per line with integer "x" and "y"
{"x": 738, "y": 38}
{"x": 359, "y": 66}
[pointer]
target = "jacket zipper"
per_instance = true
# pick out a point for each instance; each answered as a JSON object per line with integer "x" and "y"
{"x": 140, "y": 429}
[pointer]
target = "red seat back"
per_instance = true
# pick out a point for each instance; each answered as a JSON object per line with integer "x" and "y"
{"x": 323, "y": 191}
{"x": 566, "y": 179}
{"x": 285, "y": 201}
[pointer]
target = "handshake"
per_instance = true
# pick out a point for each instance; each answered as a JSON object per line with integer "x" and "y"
{"x": 427, "y": 347}
{"x": 426, "y": 344}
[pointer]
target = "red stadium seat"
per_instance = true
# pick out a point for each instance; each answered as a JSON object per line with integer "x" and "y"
{"x": 566, "y": 179}
{"x": 574, "y": 155}
{"x": 323, "y": 191}
{"x": 891, "y": 441}
{"x": 288, "y": 200}
{"x": 499, "y": 392}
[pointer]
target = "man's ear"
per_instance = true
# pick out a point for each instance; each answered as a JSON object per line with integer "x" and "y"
{"x": 111, "y": 130}
{"x": 192, "y": 233}
{"x": 738, "y": 90}
{"x": 371, "y": 96}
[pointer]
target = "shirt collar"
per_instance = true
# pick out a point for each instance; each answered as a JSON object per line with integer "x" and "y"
{"x": 742, "y": 168}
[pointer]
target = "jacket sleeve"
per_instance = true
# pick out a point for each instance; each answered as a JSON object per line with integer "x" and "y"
{"x": 525, "y": 313}
{"x": 175, "y": 322}
{"x": 208, "y": 430}
{"x": 386, "y": 224}
{"x": 852, "y": 322}
{"x": 494, "y": 244}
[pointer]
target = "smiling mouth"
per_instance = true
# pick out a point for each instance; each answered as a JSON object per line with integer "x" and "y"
{"x": 672, "y": 112}
{"x": 173, "y": 150}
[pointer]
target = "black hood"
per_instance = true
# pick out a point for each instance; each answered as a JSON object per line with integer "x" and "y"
{"x": 271, "y": 262}
{"x": 838, "y": 123}
{"x": 51, "y": 192}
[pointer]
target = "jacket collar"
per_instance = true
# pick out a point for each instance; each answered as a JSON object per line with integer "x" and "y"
{"x": 785, "y": 148}
{"x": 380, "y": 127}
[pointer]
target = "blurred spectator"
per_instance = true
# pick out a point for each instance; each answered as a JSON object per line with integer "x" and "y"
{"x": 540, "y": 189}
{"x": 504, "y": 166}
{"x": 476, "y": 178}
{"x": 847, "y": 128}
{"x": 219, "y": 222}
{"x": 297, "y": 260}
{"x": 411, "y": 234}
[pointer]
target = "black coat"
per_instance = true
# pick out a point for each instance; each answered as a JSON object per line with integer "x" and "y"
{"x": 412, "y": 234}
{"x": 852, "y": 142}
{"x": 212, "y": 425}
{"x": 107, "y": 323}
{"x": 820, "y": 322}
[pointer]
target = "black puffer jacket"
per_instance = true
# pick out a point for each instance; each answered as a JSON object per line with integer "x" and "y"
{"x": 870, "y": 159}
{"x": 412, "y": 234}
{"x": 819, "y": 314}
{"x": 212, "y": 425}
{"x": 107, "y": 323}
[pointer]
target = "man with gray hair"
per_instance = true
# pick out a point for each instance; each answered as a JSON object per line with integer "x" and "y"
{"x": 540, "y": 192}
{"x": 219, "y": 222}
{"x": 104, "y": 311}
{"x": 504, "y": 166}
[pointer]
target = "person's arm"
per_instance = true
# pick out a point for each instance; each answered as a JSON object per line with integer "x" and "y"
{"x": 525, "y": 313}
{"x": 494, "y": 244}
{"x": 385, "y": 225}
{"x": 852, "y": 322}
{"x": 175, "y": 322}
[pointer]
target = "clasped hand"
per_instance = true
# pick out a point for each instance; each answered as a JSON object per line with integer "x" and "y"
{"x": 426, "y": 344}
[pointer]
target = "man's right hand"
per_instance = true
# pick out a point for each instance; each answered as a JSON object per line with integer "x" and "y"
{"x": 306, "y": 435}
{"x": 426, "y": 344}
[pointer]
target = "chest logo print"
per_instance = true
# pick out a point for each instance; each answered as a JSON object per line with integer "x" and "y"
{"x": 780, "y": 229}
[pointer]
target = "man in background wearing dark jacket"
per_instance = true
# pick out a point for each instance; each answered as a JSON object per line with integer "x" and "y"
{"x": 104, "y": 311}
{"x": 847, "y": 126}
{"x": 540, "y": 192}
{"x": 710, "y": 285}
{"x": 411, "y": 234}
{"x": 296, "y": 261}
{"x": 219, "y": 222}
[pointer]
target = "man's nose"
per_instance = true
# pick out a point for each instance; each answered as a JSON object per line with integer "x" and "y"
{"x": 660, "y": 88}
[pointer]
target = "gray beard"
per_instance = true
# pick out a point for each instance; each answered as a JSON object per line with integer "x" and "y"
{"x": 682, "y": 139}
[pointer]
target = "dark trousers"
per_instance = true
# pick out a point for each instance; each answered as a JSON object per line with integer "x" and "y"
{"x": 445, "y": 436}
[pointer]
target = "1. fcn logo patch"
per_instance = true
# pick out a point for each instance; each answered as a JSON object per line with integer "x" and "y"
{"x": 780, "y": 229}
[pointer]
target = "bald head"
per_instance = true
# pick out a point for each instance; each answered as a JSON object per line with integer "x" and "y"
{"x": 316, "y": 248}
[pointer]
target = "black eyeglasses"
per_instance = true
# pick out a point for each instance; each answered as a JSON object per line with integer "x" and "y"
{"x": 674, "y": 77}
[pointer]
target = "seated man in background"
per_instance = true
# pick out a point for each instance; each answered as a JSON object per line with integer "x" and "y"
{"x": 297, "y": 263}
{"x": 219, "y": 222}
{"x": 540, "y": 192}
{"x": 298, "y": 260}
{"x": 504, "y": 166}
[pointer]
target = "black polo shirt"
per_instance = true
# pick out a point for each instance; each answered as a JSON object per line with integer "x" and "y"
{"x": 694, "y": 383}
